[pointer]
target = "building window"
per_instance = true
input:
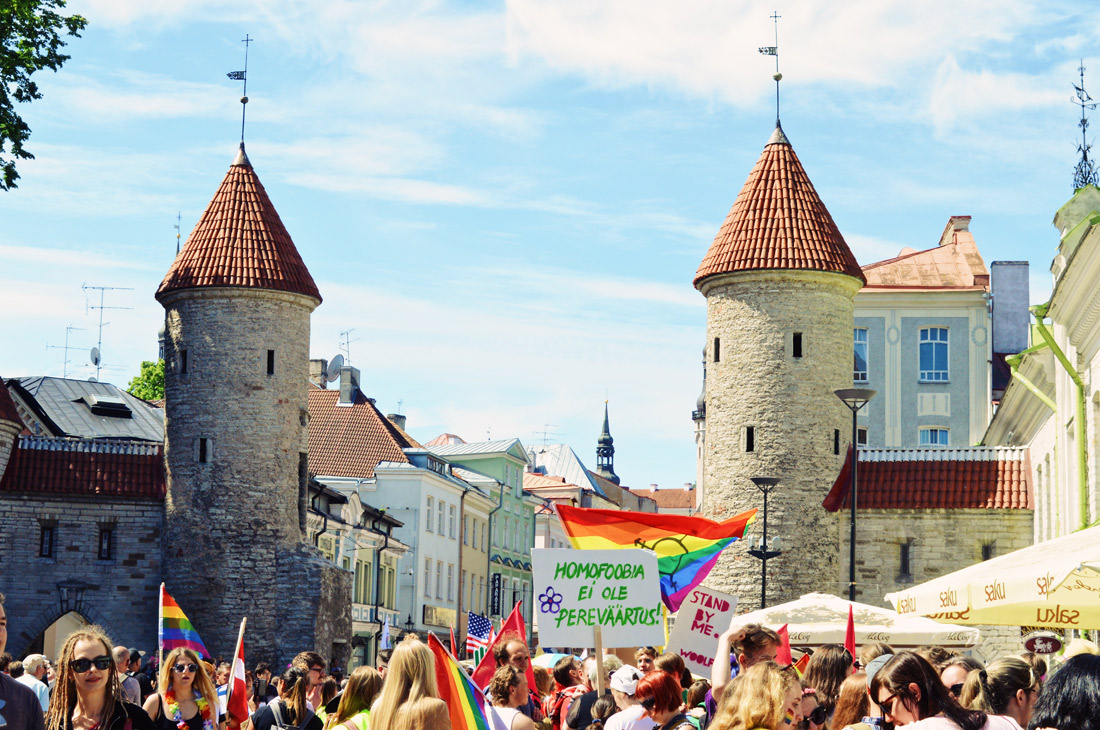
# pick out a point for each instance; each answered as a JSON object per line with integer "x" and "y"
{"x": 464, "y": 591}
{"x": 450, "y": 581}
{"x": 905, "y": 568}
{"x": 439, "y": 579}
{"x": 106, "y": 542}
{"x": 861, "y": 436}
{"x": 427, "y": 577}
{"x": 796, "y": 344}
{"x": 465, "y": 529}
{"x": 204, "y": 450}
{"x": 933, "y": 354}
{"x": 439, "y": 516}
{"x": 750, "y": 438}
{"x": 935, "y": 437}
{"x": 836, "y": 440}
{"x": 431, "y": 504}
{"x": 183, "y": 362}
{"x": 484, "y": 538}
{"x": 270, "y": 362}
{"x": 452, "y": 520}
{"x": 46, "y": 541}
{"x": 987, "y": 550}
{"x": 859, "y": 369}
{"x": 717, "y": 350}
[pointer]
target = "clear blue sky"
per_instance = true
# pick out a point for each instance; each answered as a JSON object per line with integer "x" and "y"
{"x": 507, "y": 202}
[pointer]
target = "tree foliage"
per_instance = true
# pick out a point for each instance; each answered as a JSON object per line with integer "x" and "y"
{"x": 149, "y": 384}
{"x": 30, "y": 40}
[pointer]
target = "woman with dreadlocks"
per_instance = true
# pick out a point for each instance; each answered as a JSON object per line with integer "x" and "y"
{"x": 88, "y": 693}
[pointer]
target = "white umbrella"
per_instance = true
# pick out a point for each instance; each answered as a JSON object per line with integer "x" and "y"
{"x": 819, "y": 618}
{"x": 1055, "y": 583}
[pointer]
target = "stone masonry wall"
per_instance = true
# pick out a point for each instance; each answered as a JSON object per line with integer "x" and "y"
{"x": 231, "y": 521}
{"x": 941, "y": 541}
{"x": 791, "y": 405}
{"x": 315, "y": 608}
{"x": 120, "y": 594}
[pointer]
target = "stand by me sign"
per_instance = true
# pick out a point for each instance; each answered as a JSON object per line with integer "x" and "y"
{"x": 617, "y": 590}
{"x": 702, "y": 618}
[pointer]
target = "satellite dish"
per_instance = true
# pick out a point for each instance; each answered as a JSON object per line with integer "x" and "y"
{"x": 334, "y": 366}
{"x": 92, "y": 380}
{"x": 95, "y": 356}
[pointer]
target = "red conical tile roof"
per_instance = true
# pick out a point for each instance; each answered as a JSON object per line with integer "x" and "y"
{"x": 240, "y": 241}
{"x": 778, "y": 222}
{"x": 8, "y": 411}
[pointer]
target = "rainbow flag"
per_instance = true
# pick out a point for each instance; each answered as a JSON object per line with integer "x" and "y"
{"x": 687, "y": 547}
{"x": 465, "y": 703}
{"x": 175, "y": 629}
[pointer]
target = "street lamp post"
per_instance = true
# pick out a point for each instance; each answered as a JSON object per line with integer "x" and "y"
{"x": 854, "y": 399}
{"x": 762, "y": 553}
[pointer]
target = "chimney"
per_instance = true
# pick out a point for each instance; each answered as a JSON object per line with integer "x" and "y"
{"x": 397, "y": 419}
{"x": 317, "y": 369}
{"x": 955, "y": 224}
{"x": 349, "y": 385}
{"x": 1009, "y": 286}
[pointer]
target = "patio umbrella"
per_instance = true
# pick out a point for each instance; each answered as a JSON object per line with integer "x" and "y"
{"x": 819, "y": 618}
{"x": 1055, "y": 583}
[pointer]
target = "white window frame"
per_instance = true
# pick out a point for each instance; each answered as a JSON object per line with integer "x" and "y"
{"x": 450, "y": 581}
{"x": 439, "y": 511}
{"x": 933, "y": 337}
{"x": 427, "y": 577}
{"x": 439, "y": 580}
{"x": 465, "y": 529}
{"x": 452, "y": 519}
{"x": 934, "y": 436}
{"x": 429, "y": 512}
{"x": 859, "y": 339}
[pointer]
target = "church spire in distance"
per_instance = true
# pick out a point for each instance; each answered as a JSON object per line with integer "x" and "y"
{"x": 605, "y": 452}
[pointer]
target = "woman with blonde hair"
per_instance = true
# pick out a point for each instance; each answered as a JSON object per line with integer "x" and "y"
{"x": 291, "y": 707}
{"x": 185, "y": 697}
{"x": 88, "y": 692}
{"x": 765, "y": 697}
{"x": 410, "y": 696}
{"x": 1006, "y": 687}
{"x": 353, "y": 712}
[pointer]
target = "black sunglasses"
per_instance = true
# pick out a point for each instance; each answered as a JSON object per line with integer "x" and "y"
{"x": 956, "y": 690}
{"x": 181, "y": 668}
{"x": 817, "y": 717}
{"x": 649, "y": 703}
{"x": 886, "y": 704}
{"x": 102, "y": 663}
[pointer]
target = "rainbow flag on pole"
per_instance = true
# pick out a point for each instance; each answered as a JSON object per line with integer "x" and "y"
{"x": 175, "y": 629}
{"x": 465, "y": 703}
{"x": 687, "y": 547}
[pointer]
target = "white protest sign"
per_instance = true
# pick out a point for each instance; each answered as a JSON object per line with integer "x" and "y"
{"x": 702, "y": 618}
{"x": 617, "y": 590}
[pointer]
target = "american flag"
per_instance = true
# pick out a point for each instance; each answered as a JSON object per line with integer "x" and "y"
{"x": 478, "y": 632}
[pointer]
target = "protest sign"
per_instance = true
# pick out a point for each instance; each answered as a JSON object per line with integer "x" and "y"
{"x": 617, "y": 590}
{"x": 702, "y": 618}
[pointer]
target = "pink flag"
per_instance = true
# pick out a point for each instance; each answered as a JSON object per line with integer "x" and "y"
{"x": 850, "y": 635}
{"x": 488, "y": 665}
{"x": 783, "y": 655}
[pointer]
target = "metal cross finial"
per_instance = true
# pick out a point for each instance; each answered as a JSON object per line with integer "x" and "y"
{"x": 1085, "y": 172}
{"x": 774, "y": 51}
{"x": 243, "y": 76}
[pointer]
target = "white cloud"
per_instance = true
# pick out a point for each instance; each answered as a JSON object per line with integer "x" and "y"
{"x": 962, "y": 94}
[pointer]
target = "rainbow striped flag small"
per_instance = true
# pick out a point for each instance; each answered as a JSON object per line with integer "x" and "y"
{"x": 465, "y": 702}
{"x": 174, "y": 628}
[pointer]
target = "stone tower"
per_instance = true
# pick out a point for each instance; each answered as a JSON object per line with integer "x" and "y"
{"x": 605, "y": 452}
{"x": 779, "y": 281}
{"x": 237, "y": 302}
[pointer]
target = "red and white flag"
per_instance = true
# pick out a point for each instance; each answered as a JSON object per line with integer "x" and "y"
{"x": 237, "y": 703}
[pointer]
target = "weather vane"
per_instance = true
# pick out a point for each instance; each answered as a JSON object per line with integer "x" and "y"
{"x": 774, "y": 51}
{"x": 1085, "y": 173}
{"x": 243, "y": 76}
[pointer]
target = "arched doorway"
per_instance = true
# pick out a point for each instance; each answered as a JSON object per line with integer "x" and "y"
{"x": 50, "y": 640}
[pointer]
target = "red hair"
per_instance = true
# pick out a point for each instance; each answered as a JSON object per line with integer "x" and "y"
{"x": 661, "y": 686}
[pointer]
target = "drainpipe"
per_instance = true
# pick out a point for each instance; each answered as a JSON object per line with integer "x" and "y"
{"x": 1040, "y": 312}
{"x": 378, "y": 551}
{"x": 461, "y": 552}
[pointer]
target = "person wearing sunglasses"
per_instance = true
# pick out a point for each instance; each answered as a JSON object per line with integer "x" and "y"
{"x": 813, "y": 713}
{"x": 954, "y": 671}
{"x": 88, "y": 693}
{"x": 909, "y": 692}
{"x": 186, "y": 698}
{"x": 659, "y": 695}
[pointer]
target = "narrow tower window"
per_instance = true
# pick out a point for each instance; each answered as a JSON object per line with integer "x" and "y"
{"x": 836, "y": 440}
{"x": 106, "y": 542}
{"x": 987, "y": 551}
{"x": 905, "y": 569}
{"x": 270, "y": 362}
{"x": 46, "y": 541}
{"x": 750, "y": 438}
{"x": 796, "y": 344}
{"x": 717, "y": 350}
{"x": 183, "y": 362}
{"x": 204, "y": 451}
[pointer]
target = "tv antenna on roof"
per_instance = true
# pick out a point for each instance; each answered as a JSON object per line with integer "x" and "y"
{"x": 1085, "y": 172}
{"x": 66, "y": 348}
{"x": 774, "y": 51}
{"x": 545, "y": 433}
{"x": 98, "y": 349}
{"x": 345, "y": 344}
{"x": 243, "y": 76}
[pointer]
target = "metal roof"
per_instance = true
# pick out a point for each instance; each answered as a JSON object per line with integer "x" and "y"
{"x": 476, "y": 448}
{"x": 559, "y": 460}
{"x": 69, "y": 405}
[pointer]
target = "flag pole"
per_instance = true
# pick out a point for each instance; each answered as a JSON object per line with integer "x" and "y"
{"x": 160, "y": 629}
{"x": 600, "y": 680}
{"x": 236, "y": 653}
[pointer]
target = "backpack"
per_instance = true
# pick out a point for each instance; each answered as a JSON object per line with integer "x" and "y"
{"x": 280, "y": 723}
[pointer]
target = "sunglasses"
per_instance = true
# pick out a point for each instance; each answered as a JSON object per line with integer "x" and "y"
{"x": 102, "y": 663}
{"x": 648, "y": 703}
{"x": 817, "y": 717}
{"x": 887, "y": 705}
{"x": 956, "y": 690}
{"x": 181, "y": 668}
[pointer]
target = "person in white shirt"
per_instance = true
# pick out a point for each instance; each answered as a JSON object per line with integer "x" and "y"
{"x": 631, "y": 715}
{"x": 34, "y": 671}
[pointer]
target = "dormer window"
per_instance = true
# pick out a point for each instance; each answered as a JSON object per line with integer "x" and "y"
{"x": 107, "y": 405}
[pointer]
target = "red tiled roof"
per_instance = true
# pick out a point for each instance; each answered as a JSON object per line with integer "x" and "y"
{"x": 85, "y": 466}
{"x": 349, "y": 441}
{"x": 7, "y": 406}
{"x": 240, "y": 241}
{"x": 971, "y": 478}
{"x": 778, "y": 222}
{"x": 669, "y": 498}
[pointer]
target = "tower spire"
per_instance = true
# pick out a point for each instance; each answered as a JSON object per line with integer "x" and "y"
{"x": 605, "y": 451}
{"x": 774, "y": 51}
{"x": 1085, "y": 172}
{"x": 243, "y": 77}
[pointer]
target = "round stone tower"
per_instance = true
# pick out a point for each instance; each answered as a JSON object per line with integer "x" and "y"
{"x": 237, "y": 303}
{"x": 779, "y": 281}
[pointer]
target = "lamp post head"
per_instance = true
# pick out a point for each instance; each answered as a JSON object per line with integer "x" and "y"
{"x": 763, "y": 482}
{"x": 855, "y": 398}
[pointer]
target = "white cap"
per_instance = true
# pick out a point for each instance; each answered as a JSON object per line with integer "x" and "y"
{"x": 626, "y": 680}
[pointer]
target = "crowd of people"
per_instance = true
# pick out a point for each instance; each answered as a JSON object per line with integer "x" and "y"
{"x": 94, "y": 685}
